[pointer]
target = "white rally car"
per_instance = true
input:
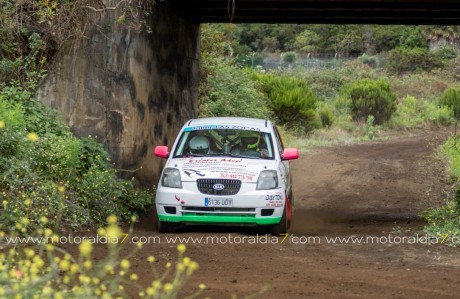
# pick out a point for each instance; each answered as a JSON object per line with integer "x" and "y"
{"x": 226, "y": 170}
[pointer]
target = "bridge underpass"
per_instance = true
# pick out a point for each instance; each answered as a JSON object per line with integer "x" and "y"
{"x": 444, "y": 12}
{"x": 133, "y": 90}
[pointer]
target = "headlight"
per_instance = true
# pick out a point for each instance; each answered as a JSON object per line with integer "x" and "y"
{"x": 171, "y": 178}
{"x": 268, "y": 179}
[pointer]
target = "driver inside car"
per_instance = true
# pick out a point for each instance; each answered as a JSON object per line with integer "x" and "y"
{"x": 250, "y": 144}
{"x": 199, "y": 145}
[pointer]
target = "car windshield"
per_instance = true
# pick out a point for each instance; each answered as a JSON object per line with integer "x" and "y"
{"x": 225, "y": 142}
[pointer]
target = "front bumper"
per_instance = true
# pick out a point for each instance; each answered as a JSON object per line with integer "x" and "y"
{"x": 250, "y": 206}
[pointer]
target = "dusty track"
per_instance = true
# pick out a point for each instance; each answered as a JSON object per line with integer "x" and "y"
{"x": 370, "y": 189}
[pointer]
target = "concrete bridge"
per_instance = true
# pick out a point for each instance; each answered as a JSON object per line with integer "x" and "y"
{"x": 134, "y": 90}
{"x": 319, "y": 11}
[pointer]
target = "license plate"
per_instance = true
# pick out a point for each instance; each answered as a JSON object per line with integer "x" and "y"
{"x": 218, "y": 202}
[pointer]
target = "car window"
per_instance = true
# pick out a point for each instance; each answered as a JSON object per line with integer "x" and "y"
{"x": 225, "y": 142}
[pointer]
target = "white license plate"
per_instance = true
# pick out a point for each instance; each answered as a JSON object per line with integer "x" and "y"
{"x": 218, "y": 202}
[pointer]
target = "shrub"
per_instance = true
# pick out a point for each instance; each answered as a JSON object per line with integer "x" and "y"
{"x": 451, "y": 99}
{"x": 289, "y": 57}
{"x": 401, "y": 60}
{"x": 371, "y": 61}
{"x": 45, "y": 270}
{"x": 370, "y": 131}
{"x": 326, "y": 82}
{"x": 411, "y": 112}
{"x": 292, "y": 101}
{"x": 367, "y": 97}
{"x": 444, "y": 222}
{"x": 446, "y": 52}
{"x": 326, "y": 116}
{"x": 54, "y": 174}
{"x": 231, "y": 92}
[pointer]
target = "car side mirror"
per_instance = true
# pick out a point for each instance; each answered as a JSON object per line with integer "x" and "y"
{"x": 290, "y": 154}
{"x": 162, "y": 151}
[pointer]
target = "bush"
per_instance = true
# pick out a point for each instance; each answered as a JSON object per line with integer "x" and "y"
{"x": 292, "y": 101}
{"x": 326, "y": 116}
{"x": 229, "y": 91}
{"x": 371, "y": 61}
{"x": 45, "y": 270}
{"x": 289, "y": 57}
{"x": 451, "y": 99}
{"x": 401, "y": 60}
{"x": 446, "y": 52}
{"x": 367, "y": 97}
{"x": 326, "y": 82}
{"x": 445, "y": 221}
{"x": 54, "y": 174}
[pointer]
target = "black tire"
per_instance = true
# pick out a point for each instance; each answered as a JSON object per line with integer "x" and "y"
{"x": 282, "y": 226}
{"x": 166, "y": 227}
{"x": 291, "y": 204}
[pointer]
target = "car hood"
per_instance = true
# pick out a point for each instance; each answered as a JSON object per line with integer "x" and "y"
{"x": 246, "y": 170}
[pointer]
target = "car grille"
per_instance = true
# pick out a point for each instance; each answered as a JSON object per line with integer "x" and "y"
{"x": 206, "y": 186}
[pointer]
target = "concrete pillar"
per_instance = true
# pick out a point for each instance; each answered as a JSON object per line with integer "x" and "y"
{"x": 131, "y": 89}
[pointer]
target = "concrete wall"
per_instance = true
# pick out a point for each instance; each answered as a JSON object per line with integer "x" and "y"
{"x": 133, "y": 90}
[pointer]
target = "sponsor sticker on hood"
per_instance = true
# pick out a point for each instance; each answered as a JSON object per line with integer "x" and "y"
{"x": 246, "y": 170}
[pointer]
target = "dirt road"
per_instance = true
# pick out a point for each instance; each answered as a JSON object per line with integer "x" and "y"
{"x": 364, "y": 198}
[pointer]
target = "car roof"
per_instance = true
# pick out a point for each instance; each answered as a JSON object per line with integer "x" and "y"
{"x": 229, "y": 120}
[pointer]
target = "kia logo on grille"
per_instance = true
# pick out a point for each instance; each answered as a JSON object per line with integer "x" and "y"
{"x": 218, "y": 187}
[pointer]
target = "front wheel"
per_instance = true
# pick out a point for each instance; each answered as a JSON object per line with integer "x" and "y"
{"x": 283, "y": 225}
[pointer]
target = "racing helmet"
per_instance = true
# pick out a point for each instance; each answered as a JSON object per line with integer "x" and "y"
{"x": 199, "y": 145}
{"x": 250, "y": 140}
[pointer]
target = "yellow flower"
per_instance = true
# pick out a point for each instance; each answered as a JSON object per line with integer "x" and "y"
{"x": 109, "y": 269}
{"x": 2, "y": 124}
{"x": 156, "y": 284}
{"x": 125, "y": 264}
{"x": 151, "y": 259}
{"x": 85, "y": 248}
{"x": 101, "y": 231}
{"x": 134, "y": 276}
{"x": 32, "y": 137}
{"x": 167, "y": 287}
{"x": 202, "y": 286}
{"x": 64, "y": 265}
{"x": 181, "y": 248}
{"x": 150, "y": 291}
{"x": 180, "y": 267}
{"x": 87, "y": 264}
{"x": 186, "y": 260}
{"x": 61, "y": 189}
{"x": 168, "y": 265}
{"x": 112, "y": 219}
{"x": 113, "y": 231}
{"x": 74, "y": 268}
